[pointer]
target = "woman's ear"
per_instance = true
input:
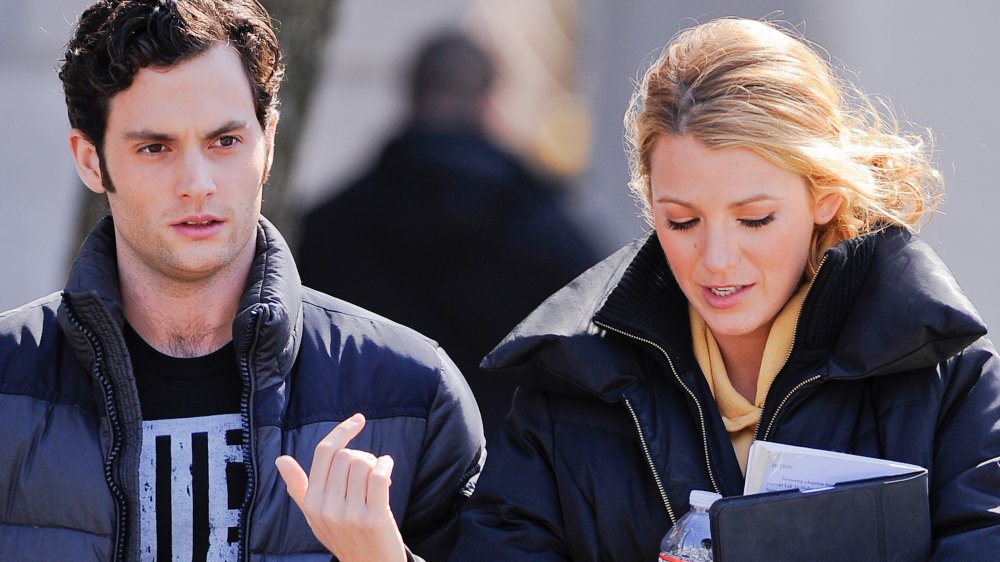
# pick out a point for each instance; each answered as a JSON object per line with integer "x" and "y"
{"x": 88, "y": 163}
{"x": 827, "y": 207}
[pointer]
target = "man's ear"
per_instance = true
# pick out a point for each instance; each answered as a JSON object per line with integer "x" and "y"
{"x": 269, "y": 132}
{"x": 826, "y": 208}
{"x": 88, "y": 163}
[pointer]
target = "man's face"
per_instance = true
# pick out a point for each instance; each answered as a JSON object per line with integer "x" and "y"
{"x": 187, "y": 157}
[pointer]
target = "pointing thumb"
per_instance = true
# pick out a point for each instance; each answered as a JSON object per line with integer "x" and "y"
{"x": 295, "y": 478}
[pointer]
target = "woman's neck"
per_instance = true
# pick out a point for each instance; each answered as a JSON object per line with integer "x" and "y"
{"x": 742, "y": 356}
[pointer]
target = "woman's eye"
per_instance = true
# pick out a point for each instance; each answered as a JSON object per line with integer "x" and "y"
{"x": 757, "y": 223}
{"x": 681, "y": 225}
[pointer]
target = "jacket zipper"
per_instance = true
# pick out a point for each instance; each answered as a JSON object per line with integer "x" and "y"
{"x": 246, "y": 418}
{"x": 795, "y": 333}
{"x": 121, "y": 510}
{"x": 782, "y": 403}
{"x": 649, "y": 459}
{"x": 701, "y": 412}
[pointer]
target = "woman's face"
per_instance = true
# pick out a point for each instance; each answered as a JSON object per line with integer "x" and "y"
{"x": 736, "y": 230}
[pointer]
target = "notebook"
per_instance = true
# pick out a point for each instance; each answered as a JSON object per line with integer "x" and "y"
{"x": 876, "y": 519}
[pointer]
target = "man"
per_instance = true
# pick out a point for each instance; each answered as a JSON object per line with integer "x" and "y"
{"x": 447, "y": 232}
{"x": 148, "y": 408}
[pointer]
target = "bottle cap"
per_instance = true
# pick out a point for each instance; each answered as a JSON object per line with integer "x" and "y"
{"x": 703, "y": 499}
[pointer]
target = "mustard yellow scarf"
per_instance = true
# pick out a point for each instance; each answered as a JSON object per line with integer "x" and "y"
{"x": 739, "y": 415}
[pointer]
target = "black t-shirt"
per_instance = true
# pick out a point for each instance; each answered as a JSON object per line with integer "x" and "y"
{"x": 192, "y": 472}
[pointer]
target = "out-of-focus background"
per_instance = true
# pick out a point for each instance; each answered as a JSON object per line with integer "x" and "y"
{"x": 567, "y": 69}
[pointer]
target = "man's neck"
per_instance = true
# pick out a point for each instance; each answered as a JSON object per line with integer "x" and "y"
{"x": 183, "y": 319}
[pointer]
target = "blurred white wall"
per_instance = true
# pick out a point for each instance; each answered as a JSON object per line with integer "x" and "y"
{"x": 38, "y": 192}
{"x": 935, "y": 62}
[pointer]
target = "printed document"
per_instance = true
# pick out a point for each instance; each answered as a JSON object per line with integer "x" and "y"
{"x": 773, "y": 467}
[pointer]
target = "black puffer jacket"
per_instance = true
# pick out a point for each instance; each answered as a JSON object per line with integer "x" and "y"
{"x": 614, "y": 423}
{"x": 71, "y": 433}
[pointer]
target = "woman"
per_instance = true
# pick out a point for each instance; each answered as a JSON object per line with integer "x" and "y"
{"x": 783, "y": 297}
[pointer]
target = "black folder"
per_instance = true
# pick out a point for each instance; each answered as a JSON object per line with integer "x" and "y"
{"x": 877, "y": 519}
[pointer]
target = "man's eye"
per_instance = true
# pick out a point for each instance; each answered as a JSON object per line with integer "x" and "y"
{"x": 152, "y": 149}
{"x": 228, "y": 141}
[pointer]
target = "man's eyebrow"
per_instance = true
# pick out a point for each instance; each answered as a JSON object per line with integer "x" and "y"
{"x": 149, "y": 135}
{"x": 228, "y": 127}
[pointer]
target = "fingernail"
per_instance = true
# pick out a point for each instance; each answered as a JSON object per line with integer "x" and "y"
{"x": 385, "y": 463}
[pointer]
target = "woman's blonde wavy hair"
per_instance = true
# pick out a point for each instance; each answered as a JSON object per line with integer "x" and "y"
{"x": 745, "y": 83}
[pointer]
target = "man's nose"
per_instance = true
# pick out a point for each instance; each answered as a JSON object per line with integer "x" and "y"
{"x": 195, "y": 177}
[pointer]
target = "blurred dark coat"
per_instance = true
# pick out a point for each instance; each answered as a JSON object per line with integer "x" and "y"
{"x": 450, "y": 235}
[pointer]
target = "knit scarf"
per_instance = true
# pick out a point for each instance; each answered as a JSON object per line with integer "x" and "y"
{"x": 738, "y": 413}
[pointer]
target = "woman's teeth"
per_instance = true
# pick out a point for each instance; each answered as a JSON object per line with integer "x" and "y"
{"x": 723, "y": 291}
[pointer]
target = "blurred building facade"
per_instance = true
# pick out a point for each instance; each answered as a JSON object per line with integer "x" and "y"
{"x": 934, "y": 62}
{"x": 38, "y": 193}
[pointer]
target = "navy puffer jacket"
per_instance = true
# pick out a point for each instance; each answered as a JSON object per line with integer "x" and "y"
{"x": 614, "y": 423}
{"x": 70, "y": 427}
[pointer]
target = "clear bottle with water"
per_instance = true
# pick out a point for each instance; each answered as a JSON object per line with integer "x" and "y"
{"x": 690, "y": 539}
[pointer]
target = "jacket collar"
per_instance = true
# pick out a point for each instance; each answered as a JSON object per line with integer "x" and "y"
{"x": 269, "y": 320}
{"x": 881, "y": 303}
{"x": 906, "y": 311}
{"x": 94, "y": 272}
{"x": 648, "y": 302}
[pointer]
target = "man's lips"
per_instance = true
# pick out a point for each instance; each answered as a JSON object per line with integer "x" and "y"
{"x": 198, "y": 227}
{"x": 198, "y": 220}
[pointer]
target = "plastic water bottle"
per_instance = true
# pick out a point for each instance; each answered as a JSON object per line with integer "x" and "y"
{"x": 690, "y": 539}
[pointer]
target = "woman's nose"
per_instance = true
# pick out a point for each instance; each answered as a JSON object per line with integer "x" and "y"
{"x": 720, "y": 250}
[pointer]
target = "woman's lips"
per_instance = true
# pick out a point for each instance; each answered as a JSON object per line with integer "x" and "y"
{"x": 724, "y": 296}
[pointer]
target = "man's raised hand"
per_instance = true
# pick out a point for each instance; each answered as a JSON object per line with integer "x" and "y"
{"x": 345, "y": 497}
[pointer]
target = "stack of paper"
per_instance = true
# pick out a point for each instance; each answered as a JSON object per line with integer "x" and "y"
{"x": 774, "y": 467}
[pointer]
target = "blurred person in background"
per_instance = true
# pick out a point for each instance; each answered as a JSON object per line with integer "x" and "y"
{"x": 783, "y": 295}
{"x": 447, "y": 231}
{"x": 149, "y": 407}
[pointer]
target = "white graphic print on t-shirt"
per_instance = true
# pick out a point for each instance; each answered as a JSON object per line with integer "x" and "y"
{"x": 186, "y": 509}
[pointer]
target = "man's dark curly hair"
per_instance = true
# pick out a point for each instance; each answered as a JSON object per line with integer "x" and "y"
{"x": 114, "y": 39}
